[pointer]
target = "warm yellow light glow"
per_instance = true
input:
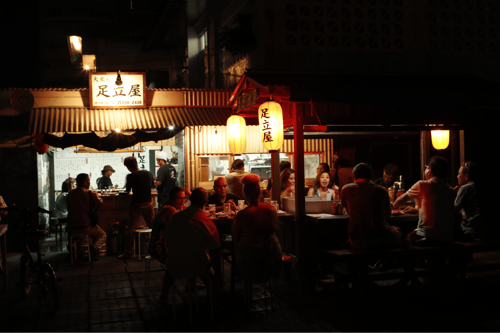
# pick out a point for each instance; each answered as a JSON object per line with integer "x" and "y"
{"x": 170, "y": 127}
{"x": 237, "y": 134}
{"x": 440, "y": 139}
{"x": 87, "y": 67}
{"x": 76, "y": 41}
{"x": 271, "y": 125}
{"x": 118, "y": 130}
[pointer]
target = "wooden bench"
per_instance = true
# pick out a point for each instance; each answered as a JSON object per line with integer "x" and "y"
{"x": 358, "y": 273}
{"x": 462, "y": 251}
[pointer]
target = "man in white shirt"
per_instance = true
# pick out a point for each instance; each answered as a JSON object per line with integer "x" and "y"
{"x": 436, "y": 208}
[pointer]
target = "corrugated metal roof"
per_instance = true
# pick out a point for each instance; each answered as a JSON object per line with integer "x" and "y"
{"x": 76, "y": 120}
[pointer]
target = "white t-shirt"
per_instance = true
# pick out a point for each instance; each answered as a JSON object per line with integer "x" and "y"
{"x": 435, "y": 209}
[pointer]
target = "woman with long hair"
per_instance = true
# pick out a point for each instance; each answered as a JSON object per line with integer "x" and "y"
{"x": 258, "y": 251}
{"x": 287, "y": 177}
{"x": 322, "y": 187}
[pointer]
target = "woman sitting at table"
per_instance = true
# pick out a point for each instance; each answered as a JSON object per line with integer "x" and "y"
{"x": 287, "y": 177}
{"x": 322, "y": 187}
{"x": 258, "y": 251}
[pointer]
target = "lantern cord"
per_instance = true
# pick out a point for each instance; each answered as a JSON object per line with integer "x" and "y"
{"x": 314, "y": 110}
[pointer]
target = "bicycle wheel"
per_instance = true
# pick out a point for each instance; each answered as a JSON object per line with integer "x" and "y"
{"x": 48, "y": 288}
{"x": 26, "y": 276}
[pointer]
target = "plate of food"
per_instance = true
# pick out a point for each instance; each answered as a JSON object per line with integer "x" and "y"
{"x": 397, "y": 212}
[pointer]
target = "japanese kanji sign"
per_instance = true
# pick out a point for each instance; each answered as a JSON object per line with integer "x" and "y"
{"x": 107, "y": 93}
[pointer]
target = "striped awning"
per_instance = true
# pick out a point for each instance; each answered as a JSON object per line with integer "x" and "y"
{"x": 78, "y": 120}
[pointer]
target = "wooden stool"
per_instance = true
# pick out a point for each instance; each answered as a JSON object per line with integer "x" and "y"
{"x": 138, "y": 233}
{"x": 72, "y": 246}
{"x": 59, "y": 229}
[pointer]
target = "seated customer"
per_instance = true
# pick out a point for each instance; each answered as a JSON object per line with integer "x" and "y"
{"x": 470, "y": 202}
{"x": 391, "y": 174}
{"x": 435, "y": 204}
{"x": 369, "y": 209}
{"x": 79, "y": 201}
{"x": 283, "y": 166}
{"x": 222, "y": 196}
{"x": 322, "y": 187}
{"x": 323, "y": 167}
{"x": 61, "y": 210}
{"x": 287, "y": 178}
{"x": 258, "y": 251}
{"x": 158, "y": 244}
{"x": 190, "y": 234}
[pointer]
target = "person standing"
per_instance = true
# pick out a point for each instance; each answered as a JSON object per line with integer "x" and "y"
{"x": 234, "y": 178}
{"x": 436, "y": 205}
{"x": 140, "y": 182}
{"x": 166, "y": 178}
{"x": 369, "y": 209}
{"x": 105, "y": 181}
{"x": 79, "y": 202}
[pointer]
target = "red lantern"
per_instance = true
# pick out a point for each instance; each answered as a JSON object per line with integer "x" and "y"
{"x": 40, "y": 147}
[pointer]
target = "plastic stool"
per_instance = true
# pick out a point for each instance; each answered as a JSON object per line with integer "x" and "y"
{"x": 72, "y": 246}
{"x": 138, "y": 233}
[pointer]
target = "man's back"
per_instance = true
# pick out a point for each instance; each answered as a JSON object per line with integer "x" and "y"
{"x": 140, "y": 182}
{"x": 167, "y": 175}
{"x": 189, "y": 234}
{"x": 368, "y": 206}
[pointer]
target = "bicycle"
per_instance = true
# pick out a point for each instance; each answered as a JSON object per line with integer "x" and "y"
{"x": 35, "y": 272}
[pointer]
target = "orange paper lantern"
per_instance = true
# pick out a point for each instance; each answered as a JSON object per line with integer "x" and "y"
{"x": 440, "y": 139}
{"x": 236, "y": 134}
{"x": 271, "y": 125}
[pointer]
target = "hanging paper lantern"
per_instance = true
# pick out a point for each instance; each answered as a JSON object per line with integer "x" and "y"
{"x": 40, "y": 147}
{"x": 271, "y": 125}
{"x": 237, "y": 134}
{"x": 440, "y": 139}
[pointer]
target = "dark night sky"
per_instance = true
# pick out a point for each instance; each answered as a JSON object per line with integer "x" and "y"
{"x": 19, "y": 31}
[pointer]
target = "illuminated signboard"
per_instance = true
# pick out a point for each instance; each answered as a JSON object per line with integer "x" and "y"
{"x": 109, "y": 92}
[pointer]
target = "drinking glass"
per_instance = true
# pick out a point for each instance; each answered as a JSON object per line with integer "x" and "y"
{"x": 227, "y": 208}
{"x": 211, "y": 209}
{"x": 267, "y": 200}
{"x": 241, "y": 204}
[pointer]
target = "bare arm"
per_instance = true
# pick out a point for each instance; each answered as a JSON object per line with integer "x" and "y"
{"x": 310, "y": 193}
{"x": 405, "y": 197}
{"x": 3, "y": 205}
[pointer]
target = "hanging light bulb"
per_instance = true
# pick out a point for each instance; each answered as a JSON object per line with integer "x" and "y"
{"x": 440, "y": 139}
{"x": 236, "y": 134}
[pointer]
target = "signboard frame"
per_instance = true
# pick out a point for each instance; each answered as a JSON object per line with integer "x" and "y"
{"x": 142, "y": 100}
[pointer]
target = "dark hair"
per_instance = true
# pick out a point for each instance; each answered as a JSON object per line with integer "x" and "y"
{"x": 317, "y": 181}
{"x": 130, "y": 162}
{"x": 471, "y": 169}
{"x": 66, "y": 185}
{"x": 438, "y": 166}
{"x": 326, "y": 167}
{"x": 284, "y": 176}
{"x": 391, "y": 169}
{"x": 173, "y": 191}
{"x": 81, "y": 178}
{"x": 237, "y": 164}
{"x": 198, "y": 197}
{"x": 363, "y": 170}
{"x": 251, "y": 186}
{"x": 284, "y": 165}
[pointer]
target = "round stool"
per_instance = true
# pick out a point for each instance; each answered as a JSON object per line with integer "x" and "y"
{"x": 72, "y": 245}
{"x": 138, "y": 233}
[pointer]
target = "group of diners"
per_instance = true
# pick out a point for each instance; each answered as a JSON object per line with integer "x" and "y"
{"x": 438, "y": 204}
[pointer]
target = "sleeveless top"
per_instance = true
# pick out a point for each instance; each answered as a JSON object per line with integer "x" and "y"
{"x": 329, "y": 194}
